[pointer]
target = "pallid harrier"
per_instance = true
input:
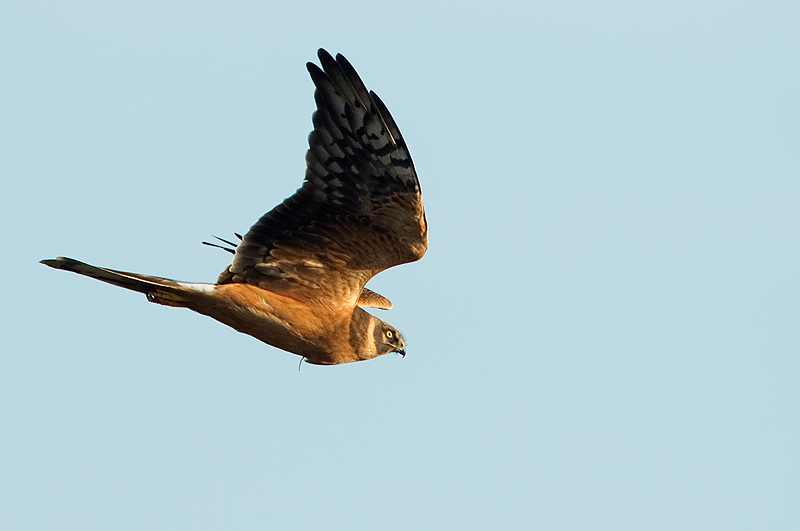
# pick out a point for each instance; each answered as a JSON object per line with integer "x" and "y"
{"x": 297, "y": 277}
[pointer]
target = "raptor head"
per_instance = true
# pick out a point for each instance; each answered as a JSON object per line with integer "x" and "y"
{"x": 370, "y": 337}
{"x": 388, "y": 339}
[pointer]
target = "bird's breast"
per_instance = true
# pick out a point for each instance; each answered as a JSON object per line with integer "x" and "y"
{"x": 275, "y": 319}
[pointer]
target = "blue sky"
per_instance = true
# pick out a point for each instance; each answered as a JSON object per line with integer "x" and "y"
{"x": 604, "y": 332}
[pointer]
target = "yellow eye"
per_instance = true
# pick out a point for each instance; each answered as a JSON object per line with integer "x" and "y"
{"x": 389, "y": 334}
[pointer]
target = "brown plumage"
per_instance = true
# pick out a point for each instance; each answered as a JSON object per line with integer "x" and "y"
{"x": 297, "y": 276}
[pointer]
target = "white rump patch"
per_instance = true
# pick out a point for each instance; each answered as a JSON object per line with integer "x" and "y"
{"x": 204, "y": 288}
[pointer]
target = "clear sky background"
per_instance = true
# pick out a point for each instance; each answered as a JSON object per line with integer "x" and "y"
{"x": 604, "y": 334}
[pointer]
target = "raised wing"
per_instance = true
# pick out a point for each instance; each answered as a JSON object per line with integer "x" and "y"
{"x": 359, "y": 210}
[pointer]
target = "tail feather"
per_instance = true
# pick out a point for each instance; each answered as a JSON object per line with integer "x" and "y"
{"x": 157, "y": 289}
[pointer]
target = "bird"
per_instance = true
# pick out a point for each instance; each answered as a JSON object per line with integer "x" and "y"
{"x": 297, "y": 278}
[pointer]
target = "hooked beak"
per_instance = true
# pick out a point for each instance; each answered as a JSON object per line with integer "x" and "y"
{"x": 402, "y": 349}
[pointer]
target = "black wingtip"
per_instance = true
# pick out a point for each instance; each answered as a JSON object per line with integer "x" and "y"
{"x": 323, "y": 55}
{"x": 232, "y": 251}
{"x": 345, "y": 65}
{"x": 327, "y": 61}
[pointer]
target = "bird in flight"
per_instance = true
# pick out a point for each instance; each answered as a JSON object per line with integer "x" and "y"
{"x": 297, "y": 278}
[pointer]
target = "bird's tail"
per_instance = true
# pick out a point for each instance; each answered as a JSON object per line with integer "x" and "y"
{"x": 157, "y": 289}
